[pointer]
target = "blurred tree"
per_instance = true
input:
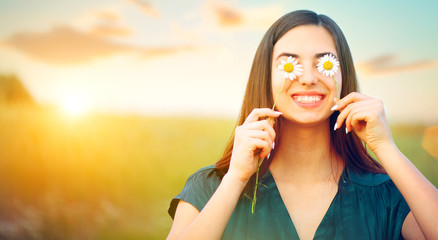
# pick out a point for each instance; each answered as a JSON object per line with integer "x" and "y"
{"x": 12, "y": 91}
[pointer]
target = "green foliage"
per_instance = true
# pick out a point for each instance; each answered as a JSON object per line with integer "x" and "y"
{"x": 112, "y": 177}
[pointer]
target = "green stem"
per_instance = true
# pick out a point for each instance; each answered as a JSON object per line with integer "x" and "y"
{"x": 278, "y": 94}
{"x": 254, "y": 199}
{"x": 336, "y": 86}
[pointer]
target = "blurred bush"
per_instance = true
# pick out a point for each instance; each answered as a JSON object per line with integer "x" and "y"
{"x": 12, "y": 91}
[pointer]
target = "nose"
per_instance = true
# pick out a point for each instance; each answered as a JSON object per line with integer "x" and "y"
{"x": 309, "y": 76}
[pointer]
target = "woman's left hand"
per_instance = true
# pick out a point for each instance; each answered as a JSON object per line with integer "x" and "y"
{"x": 365, "y": 116}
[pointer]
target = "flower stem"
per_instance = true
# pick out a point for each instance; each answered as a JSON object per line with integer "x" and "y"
{"x": 278, "y": 94}
{"x": 254, "y": 199}
{"x": 336, "y": 86}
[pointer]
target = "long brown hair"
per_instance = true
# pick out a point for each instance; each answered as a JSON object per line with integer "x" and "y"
{"x": 259, "y": 93}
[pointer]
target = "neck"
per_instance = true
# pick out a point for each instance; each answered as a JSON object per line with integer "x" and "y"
{"x": 305, "y": 153}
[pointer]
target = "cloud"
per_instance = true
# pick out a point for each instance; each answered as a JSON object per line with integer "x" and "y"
{"x": 108, "y": 16}
{"x": 388, "y": 65}
{"x": 67, "y": 45}
{"x": 262, "y": 18}
{"x": 224, "y": 14}
{"x": 111, "y": 31}
{"x": 146, "y": 7}
{"x": 106, "y": 22}
{"x": 102, "y": 16}
{"x": 227, "y": 17}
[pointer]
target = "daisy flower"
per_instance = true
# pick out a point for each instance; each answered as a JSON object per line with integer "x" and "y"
{"x": 290, "y": 68}
{"x": 328, "y": 65}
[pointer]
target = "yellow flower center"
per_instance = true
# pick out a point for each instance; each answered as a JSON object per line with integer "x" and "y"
{"x": 328, "y": 65}
{"x": 288, "y": 67}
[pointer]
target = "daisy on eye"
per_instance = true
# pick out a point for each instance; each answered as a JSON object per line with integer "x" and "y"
{"x": 328, "y": 65}
{"x": 290, "y": 68}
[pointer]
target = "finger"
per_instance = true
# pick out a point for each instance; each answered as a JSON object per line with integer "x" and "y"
{"x": 270, "y": 129}
{"x": 260, "y": 144}
{"x": 369, "y": 109}
{"x": 359, "y": 120}
{"x": 258, "y": 113}
{"x": 264, "y": 146}
{"x": 260, "y": 135}
{"x": 258, "y": 125}
{"x": 352, "y": 117}
{"x": 342, "y": 116}
{"x": 262, "y": 125}
{"x": 350, "y": 98}
{"x": 373, "y": 111}
{"x": 346, "y": 111}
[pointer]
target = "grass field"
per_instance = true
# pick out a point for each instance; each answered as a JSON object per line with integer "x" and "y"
{"x": 112, "y": 177}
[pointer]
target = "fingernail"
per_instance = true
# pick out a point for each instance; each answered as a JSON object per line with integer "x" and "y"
{"x": 346, "y": 130}
{"x": 336, "y": 127}
{"x": 334, "y": 107}
{"x": 273, "y": 145}
{"x": 278, "y": 112}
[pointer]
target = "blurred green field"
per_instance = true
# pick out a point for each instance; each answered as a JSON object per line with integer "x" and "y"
{"x": 110, "y": 176}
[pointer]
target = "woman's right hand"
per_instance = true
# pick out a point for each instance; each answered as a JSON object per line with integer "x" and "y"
{"x": 252, "y": 141}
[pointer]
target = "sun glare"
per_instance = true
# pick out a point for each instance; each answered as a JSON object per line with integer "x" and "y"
{"x": 75, "y": 105}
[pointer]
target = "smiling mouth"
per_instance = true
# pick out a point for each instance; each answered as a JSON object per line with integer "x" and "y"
{"x": 308, "y": 98}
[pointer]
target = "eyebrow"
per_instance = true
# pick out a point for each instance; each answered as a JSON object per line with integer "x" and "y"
{"x": 318, "y": 55}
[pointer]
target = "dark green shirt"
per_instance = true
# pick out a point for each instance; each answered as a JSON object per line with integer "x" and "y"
{"x": 366, "y": 206}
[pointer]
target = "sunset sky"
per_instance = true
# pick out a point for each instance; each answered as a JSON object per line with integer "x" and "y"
{"x": 193, "y": 57}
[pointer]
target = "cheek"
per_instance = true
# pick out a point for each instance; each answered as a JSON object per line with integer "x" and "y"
{"x": 276, "y": 81}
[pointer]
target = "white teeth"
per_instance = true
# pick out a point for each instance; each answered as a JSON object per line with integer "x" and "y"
{"x": 308, "y": 99}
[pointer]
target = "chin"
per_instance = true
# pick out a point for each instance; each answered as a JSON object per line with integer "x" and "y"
{"x": 307, "y": 119}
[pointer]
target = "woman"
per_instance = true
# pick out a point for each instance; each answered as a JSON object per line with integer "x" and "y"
{"x": 317, "y": 180}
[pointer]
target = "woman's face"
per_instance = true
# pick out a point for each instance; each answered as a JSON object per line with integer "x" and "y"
{"x": 308, "y": 98}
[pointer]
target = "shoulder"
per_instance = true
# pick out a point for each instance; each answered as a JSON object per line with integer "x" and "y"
{"x": 378, "y": 187}
{"x": 366, "y": 179}
{"x": 204, "y": 180}
{"x": 198, "y": 189}
{"x": 373, "y": 198}
{"x": 208, "y": 172}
